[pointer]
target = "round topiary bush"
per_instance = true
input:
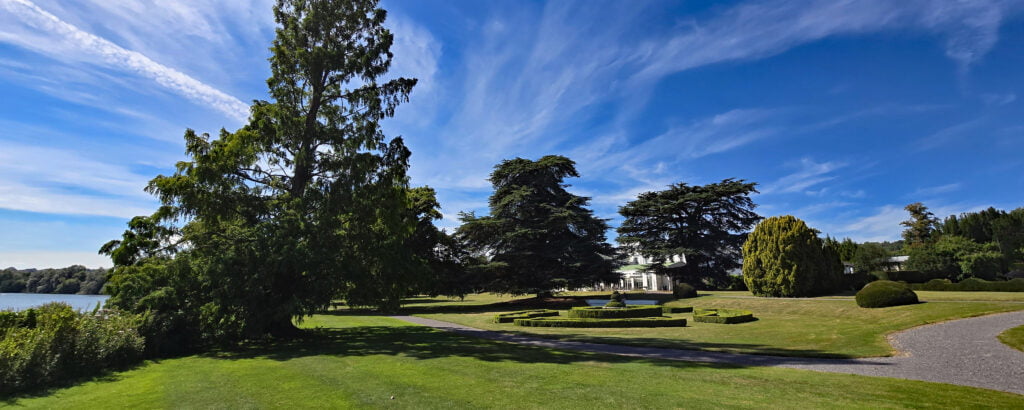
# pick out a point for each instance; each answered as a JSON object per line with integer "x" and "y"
{"x": 883, "y": 293}
{"x": 683, "y": 291}
{"x": 616, "y": 301}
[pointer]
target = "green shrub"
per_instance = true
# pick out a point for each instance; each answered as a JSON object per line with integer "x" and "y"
{"x": 596, "y": 323}
{"x": 972, "y": 285}
{"x": 724, "y": 316}
{"x": 523, "y": 314}
{"x": 783, "y": 257}
{"x": 593, "y": 312}
{"x": 885, "y": 293}
{"x": 614, "y": 304}
{"x": 912, "y": 276}
{"x": 684, "y": 290}
{"x": 676, "y": 309}
{"x": 51, "y": 344}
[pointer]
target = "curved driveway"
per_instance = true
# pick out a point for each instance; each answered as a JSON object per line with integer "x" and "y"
{"x": 964, "y": 352}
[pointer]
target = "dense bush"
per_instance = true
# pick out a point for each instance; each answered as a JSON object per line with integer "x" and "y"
{"x": 972, "y": 285}
{"x": 885, "y": 293}
{"x": 523, "y": 314}
{"x": 913, "y": 276}
{"x": 783, "y": 257}
{"x": 595, "y": 323}
{"x": 677, "y": 309}
{"x": 723, "y": 316}
{"x": 602, "y": 313}
{"x": 53, "y": 343}
{"x": 684, "y": 290}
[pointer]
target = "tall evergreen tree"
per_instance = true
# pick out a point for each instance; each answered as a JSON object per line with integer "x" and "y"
{"x": 783, "y": 257}
{"x": 706, "y": 223}
{"x": 286, "y": 213}
{"x": 538, "y": 235}
{"x": 921, "y": 225}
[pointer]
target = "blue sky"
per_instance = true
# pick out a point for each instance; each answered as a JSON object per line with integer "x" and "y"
{"x": 842, "y": 111}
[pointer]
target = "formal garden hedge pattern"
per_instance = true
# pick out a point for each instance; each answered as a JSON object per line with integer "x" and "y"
{"x": 971, "y": 285}
{"x": 523, "y": 314}
{"x": 722, "y": 316}
{"x": 595, "y": 312}
{"x": 885, "y": 293}
{"x": 599, "y": 323}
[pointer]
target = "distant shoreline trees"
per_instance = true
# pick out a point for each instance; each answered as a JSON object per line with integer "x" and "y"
{"x": 74, "y": 279}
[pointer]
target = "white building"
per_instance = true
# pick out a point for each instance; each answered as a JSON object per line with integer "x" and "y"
{"x": 634, "y": 277}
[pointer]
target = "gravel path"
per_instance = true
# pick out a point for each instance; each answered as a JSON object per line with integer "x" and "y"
{"x": 964, "y": 352}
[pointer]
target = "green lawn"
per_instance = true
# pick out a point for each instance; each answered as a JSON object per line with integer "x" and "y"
{"x": 363, "y": 361}
{"x": 817, "y": 327}
{"x": 1014, "y": 338}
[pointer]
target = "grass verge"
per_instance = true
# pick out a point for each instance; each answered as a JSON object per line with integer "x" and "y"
{"x": 1013, "y": 337}
{"x": 362, "y": 362}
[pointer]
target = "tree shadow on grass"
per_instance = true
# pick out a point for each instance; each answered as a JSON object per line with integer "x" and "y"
{"x": 425, "y": 343}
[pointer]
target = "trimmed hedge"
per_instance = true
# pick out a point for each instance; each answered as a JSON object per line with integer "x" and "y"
{"x": 885, "y": 293}
{"x": 676, "y": 309}
{"x": 523, "y": 314}
{"x": 596, "y": 312}
{"x": 684, "y": 291}
{"x": 971, "y": 285}
{"x": 723, "y": 316}
{"x": 595, "y": 323}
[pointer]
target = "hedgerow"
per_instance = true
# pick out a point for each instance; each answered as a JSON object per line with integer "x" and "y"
{"x": 596, "y": 323}
{"x": 594, "y": 312}
{"x": 971, "y": 285}
{"x": 523, "y": 314}
{"x": 723, "y": 316}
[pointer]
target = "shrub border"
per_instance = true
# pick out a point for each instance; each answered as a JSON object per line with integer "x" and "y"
{"x": 722, "y": 316}
{"x": 523, "y": 314}
{"x": 597, "y": 312}
{"x": 598, "y": 323}
{"x": 676, "y": 309}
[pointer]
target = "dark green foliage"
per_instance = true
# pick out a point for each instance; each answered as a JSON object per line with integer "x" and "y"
{"x": 72, "y": 279}
{"x": 972, "y": 285}
{"x": 783, "y": 257}
{"x": 306, "y": 203}
{"x": 722, "y": 316}
{"x": 614, "y": 304}
{"x": 676, "y": 309}
{"x": 539, "y": 236}
{"x": 51, "y": 344}
{"x": 920, "y": 227}
{"x": 598, "y": 323}
{"x": 870, "y": 257}
{"x": 683, "y": 290}
{"x": 615, "y": 297}
{"x": 706, "y": 223}
{"x": 884, "y": 293}
{"x": 846, "y": 249}
{"x": 523, "y": 314}
{"x": 910, "y": 276}
{"x": 984, "y": 265}
{"x": 593, "y": 312}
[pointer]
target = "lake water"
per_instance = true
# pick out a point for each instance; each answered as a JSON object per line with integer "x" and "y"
{"x": 22, "y": 301}
{"x": 601, "y": 302}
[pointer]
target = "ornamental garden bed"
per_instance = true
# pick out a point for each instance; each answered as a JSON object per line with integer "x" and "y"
{"x": 523, "y": 314}
{"x": 597, "y": 312}
{"x": 723, "y": 316}
{"x": 598, "y": 323}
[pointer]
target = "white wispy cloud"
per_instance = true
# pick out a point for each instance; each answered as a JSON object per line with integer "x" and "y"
{"x": 53, "y": 259}
{"x": 28, "y": 26}
{"x": 935, "y": 190}
{"x": 811, "y": 173}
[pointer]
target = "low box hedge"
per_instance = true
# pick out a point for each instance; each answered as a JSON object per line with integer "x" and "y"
{"x": 971, "y": 285}
{"x": 723, "y": 316}
{"x": 676, "y": 309}
{"x": 523, "y": 314}
{"x": 597, "y": 312}
{"x": 596, "y": 323}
